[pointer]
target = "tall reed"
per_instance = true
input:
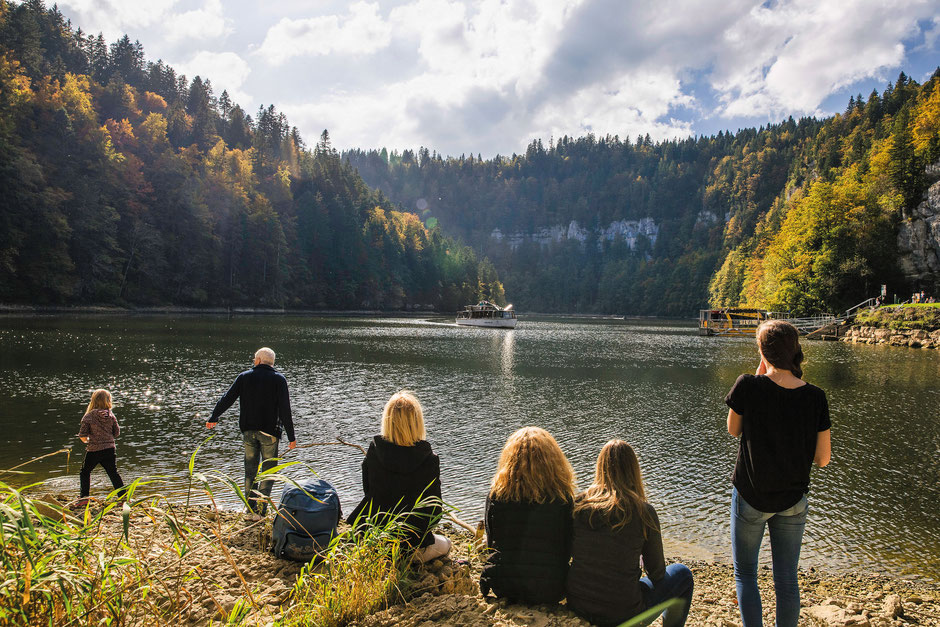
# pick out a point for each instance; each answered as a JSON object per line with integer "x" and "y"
{"x": 97, "y": 566}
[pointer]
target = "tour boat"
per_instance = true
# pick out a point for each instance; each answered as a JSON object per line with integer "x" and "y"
{"x": 486, "y": 314}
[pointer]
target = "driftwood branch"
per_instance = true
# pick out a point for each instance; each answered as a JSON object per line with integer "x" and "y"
{"x": 67, "y": 451}
{"x": 338, "y": 442}
{"x": 461, "y": 523}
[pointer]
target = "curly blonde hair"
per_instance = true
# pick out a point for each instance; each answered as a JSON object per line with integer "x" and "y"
{"x": 533, "y": 469}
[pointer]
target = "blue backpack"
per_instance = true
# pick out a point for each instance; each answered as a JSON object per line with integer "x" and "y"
{"x": 306, "y": 521}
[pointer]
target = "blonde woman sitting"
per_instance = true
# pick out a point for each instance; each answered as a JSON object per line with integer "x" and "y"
{"x": 528, "y": 520}
{"x": 400, "y": 471}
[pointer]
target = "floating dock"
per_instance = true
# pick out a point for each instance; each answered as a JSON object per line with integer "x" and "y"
{"x": 742, "y": 321}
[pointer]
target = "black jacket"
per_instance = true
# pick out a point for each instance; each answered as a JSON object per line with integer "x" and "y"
{"x": 531, "y": 545}
{"x": 394, "y": 478}
{"x": 263, "y": 402}
{"x": 604, "y": 579}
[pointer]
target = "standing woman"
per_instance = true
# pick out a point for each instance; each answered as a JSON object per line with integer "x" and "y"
{"x": 399, "y": 472}
{"x": 614, "y": 526}
{"x": 784, "y": 426}
{"x": 528, "y": 520}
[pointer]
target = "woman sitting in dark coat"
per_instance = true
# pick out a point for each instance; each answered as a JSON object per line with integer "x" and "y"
{"x": 528, "y": 520}
{"x": 399, "y": 472}
{"x": 613, "y": 527}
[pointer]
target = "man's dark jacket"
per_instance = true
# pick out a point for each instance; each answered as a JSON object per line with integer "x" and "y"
{"x": 263, "y": 402}
{"x": 394, "y": 479}
{"x": 531, "y": 546}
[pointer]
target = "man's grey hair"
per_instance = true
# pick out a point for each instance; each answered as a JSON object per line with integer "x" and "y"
{"x": 265, "y": 355}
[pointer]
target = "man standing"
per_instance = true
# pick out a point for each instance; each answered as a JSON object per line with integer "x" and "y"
{"x": 264, "y": 407}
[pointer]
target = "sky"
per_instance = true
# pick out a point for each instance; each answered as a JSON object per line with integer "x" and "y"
{"x": 490, "y": 76}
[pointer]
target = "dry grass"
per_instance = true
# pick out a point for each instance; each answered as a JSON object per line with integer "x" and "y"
{"x": 60, "y": 567}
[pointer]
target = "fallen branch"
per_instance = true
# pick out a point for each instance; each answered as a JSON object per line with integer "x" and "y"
{"x": 461, "y": 523}
{"x": 67, "y": 451}
{"x": 338, "y": 442}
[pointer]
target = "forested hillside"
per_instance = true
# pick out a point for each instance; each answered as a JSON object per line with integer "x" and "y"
{"x": 798, "y": 216}
{"x": 124, "y": 183}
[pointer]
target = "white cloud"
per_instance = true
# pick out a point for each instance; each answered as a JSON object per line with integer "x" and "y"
{"x": 114, "y": 18}
{"x": 490, "y": 75}
{"x": 208, "y": 22}
{"x": 788, "y": 58}
{"x": 931, "y": 34}
{"x": 633, "y": 105}
{"x": 362, "y": 31}
{"x": 475, "y": 66}
{"x": 226, "y": 70}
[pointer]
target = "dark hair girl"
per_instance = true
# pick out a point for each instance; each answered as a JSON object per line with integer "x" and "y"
{"x": 614, "y": 526}
{"x": 784, "y": 427}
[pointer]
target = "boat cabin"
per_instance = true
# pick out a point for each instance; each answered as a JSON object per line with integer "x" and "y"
{"x": 733, "y": 320}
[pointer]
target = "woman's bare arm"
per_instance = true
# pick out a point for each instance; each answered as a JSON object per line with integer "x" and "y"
{"x": 734, "y": 423}
{"x": 823, "y": 448}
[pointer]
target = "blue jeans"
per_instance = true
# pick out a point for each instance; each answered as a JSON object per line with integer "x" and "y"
{"x": 786, "y": 537}
{"x": 259, "y": 448}
{"x": 676, "y": 583}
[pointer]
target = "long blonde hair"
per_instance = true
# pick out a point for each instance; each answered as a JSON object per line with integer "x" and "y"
{"x": 403, "y": 419}
{"x": 533, "y": 469}
{"x": 100, "y": 399}
{"x": 617, "y": 489}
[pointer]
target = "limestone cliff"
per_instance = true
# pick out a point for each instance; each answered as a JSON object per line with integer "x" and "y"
{"x": 919, "y": 238}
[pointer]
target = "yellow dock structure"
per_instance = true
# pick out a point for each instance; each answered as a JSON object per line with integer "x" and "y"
{"x": 742, "y": 321}
{"x": 732, "y": 320}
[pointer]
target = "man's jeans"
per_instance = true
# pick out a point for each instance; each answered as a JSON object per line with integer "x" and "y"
{"x": 786, "y": 537}
{"x": 259, "y": 448}
{"x": 676, "y": 583}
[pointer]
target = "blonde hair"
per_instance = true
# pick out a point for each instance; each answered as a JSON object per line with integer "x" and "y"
{"x": 265, "y": 355}
{"x": 403, "y": 419}
{"x": 617, "y": 489}
{"x": 100, "y": 399}
{"x": 533, "y": 469}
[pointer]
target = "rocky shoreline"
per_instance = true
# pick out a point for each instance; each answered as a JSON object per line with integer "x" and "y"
{"x": 914, "y": 326}
{"x": 446, "y": 592}
{"x": 451, "y": 596}
{"x": 914, "y": 338}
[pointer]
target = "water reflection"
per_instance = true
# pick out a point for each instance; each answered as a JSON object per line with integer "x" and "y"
{"x": 507, "y": 340}
{"x": 659, "y": 386}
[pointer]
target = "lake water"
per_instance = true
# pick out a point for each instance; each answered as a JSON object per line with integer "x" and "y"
{"x": 656, "y": 384}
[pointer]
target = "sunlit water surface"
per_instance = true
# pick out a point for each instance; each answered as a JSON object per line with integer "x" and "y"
{"x": 656, "y": 384}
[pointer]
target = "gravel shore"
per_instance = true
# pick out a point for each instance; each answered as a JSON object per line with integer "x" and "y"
{"x": 447, "y": 592}
{"x": 858, "y": 599}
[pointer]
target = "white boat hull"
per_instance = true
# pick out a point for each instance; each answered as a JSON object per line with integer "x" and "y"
{"x": 496, "y": 323}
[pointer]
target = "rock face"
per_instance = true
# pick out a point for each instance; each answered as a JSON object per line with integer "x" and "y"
{"x": 915, "y": 338}
{"x": 919, "y": 240}
{"x": 627, "y": 230}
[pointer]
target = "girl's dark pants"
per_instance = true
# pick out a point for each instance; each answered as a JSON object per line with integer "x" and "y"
{"x": 108, "y": 460}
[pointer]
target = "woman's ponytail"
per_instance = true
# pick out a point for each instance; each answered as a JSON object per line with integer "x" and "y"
{"x": 797, "y": 360}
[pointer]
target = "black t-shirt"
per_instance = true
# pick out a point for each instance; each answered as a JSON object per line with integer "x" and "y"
{"x": 778, "y": 440}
